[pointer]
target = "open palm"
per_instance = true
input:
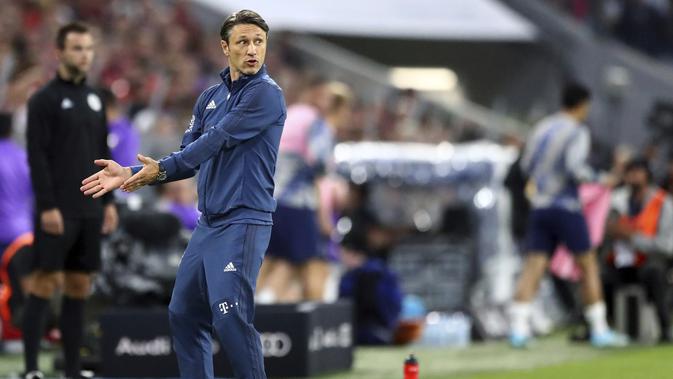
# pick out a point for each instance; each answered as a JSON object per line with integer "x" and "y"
{"x": 108, "y": 179}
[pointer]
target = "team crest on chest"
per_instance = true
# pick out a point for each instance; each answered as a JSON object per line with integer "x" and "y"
{"x": 94, "y": 102}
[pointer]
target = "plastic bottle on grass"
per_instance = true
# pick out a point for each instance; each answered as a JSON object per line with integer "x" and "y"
{"x": 411, "y": 367}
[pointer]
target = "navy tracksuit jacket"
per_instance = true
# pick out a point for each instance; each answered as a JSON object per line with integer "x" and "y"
{"x": 232, "y": 141}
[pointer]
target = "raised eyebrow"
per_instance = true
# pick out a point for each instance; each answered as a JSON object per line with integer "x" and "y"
{"x": 244, "y": 37}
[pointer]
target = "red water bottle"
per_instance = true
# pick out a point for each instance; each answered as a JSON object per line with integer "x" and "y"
{"x": 411, "y": 368}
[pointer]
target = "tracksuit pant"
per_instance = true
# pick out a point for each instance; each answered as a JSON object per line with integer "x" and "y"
{"x": 214, "y": 290}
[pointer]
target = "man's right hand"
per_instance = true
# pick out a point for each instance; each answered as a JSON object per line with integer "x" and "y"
{"x": 610, "y": 180}
{"x": 52, "y": 221}
{"x": 108, "y": 179}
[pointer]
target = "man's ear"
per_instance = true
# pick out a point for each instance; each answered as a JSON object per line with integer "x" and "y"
{"x": 225, "y": 47}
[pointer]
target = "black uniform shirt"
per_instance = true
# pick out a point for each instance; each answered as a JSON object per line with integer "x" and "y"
{"x": 67, "y": 131}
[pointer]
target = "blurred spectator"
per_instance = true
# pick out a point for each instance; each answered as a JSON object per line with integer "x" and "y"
{"x": 555, "y": 160}
{"x": 515, "y": 182}
{"x": 123, "y": 139}
{"x": 331, "y": 187}
{"x": 430, "y": 128}
{"x": 397, "y": 117}
{"x": 667, "y": 183}
{"x": 374, "y": 290}
{"x": 340, "y": 110}
{"x": 641, "y": 230}
{"x": 179, "y": 198}
{"x": 304, "y": 157}
{"x": 163, "y": 138}
{"x": 642, "y": 24}
{"x": 16, "y": 194}
{"x": 364, "y": 226}
{"x": 655, "y": 153}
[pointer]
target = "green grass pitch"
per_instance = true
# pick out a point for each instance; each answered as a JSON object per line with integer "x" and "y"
{"x": 550, "y": 358}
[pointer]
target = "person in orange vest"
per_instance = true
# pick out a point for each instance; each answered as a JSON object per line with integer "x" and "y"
{"x": 640, "y": 229}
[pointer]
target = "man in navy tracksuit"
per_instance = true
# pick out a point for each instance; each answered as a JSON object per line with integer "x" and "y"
{"x": 232, "y": 140}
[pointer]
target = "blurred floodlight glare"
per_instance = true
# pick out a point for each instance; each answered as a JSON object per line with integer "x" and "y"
{"x": 344, "y": 225}
{"x": 359, "y": 175}
{"x": 424, "y": 78}
{"x": 422, "y": 220}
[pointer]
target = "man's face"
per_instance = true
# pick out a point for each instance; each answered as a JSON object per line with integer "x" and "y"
{"x": 77, "y": 53}
{"x": 636, "y": 178}
{"x": 246, "y": 48}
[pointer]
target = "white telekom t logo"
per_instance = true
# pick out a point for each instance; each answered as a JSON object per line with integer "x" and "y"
{"x": 224, "y": 307}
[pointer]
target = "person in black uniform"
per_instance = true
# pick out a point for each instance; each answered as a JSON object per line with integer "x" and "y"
{"x": 67, "y": 131}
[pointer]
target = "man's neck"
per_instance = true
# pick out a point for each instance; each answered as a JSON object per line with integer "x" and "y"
{"x": 234, "y": 74}
{"x": 66, "y": 75}
{"x": 572, "y": 115}
{"x": 639, "y": 193}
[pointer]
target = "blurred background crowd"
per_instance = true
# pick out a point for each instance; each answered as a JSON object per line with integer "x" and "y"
{"x": 643, "y": 25}
{"x": 415, "y": 206}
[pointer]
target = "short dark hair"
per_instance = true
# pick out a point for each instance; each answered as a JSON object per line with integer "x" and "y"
{"x": 244, "y": 16}
{"x": 5, "y": 125}
{"x": 63, "y": 31}
{"x": 639, "y": 163}
{"x": 574, "y": 94}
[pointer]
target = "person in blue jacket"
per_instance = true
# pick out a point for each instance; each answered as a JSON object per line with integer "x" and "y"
{"x": 232, "y": 140}
{"x": 372, "y": 287}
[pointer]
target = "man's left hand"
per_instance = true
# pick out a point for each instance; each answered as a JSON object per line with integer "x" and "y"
{"x": 110, "y": 219}
{"x": 147, "y": 175}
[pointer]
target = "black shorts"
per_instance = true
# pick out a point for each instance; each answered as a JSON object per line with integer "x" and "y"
{"x": 295, "y": 236}
{"x": 77, "y": 249}
{"x": 549, "y": 227}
